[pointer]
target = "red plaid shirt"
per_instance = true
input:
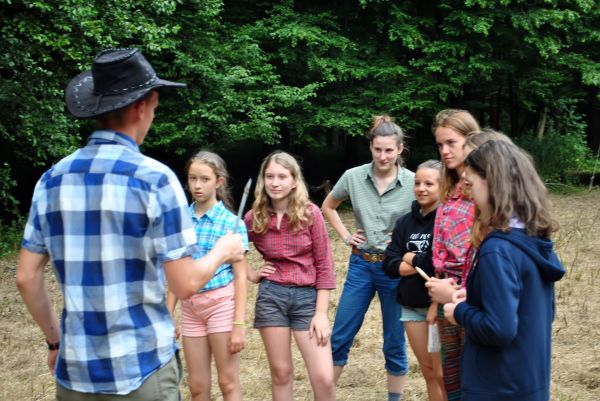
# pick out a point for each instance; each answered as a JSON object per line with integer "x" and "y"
{"x": 301, "y": 258}
{"x": 452, "y": 235}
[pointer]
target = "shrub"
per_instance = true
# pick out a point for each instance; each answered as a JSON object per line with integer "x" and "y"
{"x": 558, "y": 157}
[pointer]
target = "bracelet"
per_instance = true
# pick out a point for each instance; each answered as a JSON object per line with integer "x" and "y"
{"x": 348, "y": 239}
{"x": 242, "y": 324}
{"x": 53, "y": 346}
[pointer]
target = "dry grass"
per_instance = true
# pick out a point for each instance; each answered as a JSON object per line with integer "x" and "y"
{"x": 576, "y": 356}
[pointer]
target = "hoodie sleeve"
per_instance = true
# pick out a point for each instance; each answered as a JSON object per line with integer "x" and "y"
{"x": 425, "y": 261}
{"x": 491, "y": 317}
{"x": 395, "y": 250}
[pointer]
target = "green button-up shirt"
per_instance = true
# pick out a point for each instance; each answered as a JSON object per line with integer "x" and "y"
{"x": 374, "y": 213}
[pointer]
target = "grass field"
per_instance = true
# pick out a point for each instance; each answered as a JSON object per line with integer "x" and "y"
{"x": 576, "y": 351}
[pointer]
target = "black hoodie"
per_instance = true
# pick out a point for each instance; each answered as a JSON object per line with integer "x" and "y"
{"x": 413, "y": 232}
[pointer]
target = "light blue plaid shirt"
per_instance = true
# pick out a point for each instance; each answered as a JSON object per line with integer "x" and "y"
{"x": 211, "y": 226}
{"x": 108, "y": 217}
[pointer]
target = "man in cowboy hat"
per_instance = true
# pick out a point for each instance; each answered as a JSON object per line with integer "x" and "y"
{"x": 113, "y": 223}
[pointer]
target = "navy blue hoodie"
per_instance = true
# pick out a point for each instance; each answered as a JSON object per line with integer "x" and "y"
{"x": 508, "y": 319}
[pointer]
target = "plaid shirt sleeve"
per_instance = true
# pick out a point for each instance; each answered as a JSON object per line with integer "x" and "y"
{"x": 437, "y": 248}
{"x": 340, "y": 190}
{"x": 33, "y": 238}
{"x": 172, "y": 227}
{"x": 322, "y": 255}
{"x": 452, "y": 235}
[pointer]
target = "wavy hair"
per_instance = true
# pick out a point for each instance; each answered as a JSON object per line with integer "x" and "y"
{"x": 298, "y": 212}
{"x": 462, "y": 122}
{"x": 219, "y": 167}
{"x": 515, "y": 188}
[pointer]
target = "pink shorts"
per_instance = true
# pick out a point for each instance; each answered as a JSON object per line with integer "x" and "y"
{"x": 208, "y": 312}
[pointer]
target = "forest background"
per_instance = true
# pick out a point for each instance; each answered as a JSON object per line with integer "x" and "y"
{"x": 305, "y": 76}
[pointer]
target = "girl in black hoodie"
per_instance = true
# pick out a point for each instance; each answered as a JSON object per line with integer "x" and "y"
{"x": 411, "y": 246}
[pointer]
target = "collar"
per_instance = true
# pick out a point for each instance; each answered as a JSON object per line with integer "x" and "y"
{"x": 370, "y": 174}
{"x": 210, "y": 214}
{"x": 104, "y": 137}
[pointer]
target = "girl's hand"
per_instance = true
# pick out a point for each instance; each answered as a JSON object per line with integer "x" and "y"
{"x": 459, "y": 296}
{"x": 319, "y": 327}
{"x": 449, "y": 312}
{"x": 431, "y": 317}
{"x": 441, "y": 290}
{"x": 406, "y": 269}
{"x": 408, "y": 258}
{"x": 237, "y": 339}
{"x": 355, "y": 239}
{"x": 266, "y": 270}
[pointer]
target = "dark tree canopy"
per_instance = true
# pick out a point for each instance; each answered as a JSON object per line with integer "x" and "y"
{"x": 304, "y": 73}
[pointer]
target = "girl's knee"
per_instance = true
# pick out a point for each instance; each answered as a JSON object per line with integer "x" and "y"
{"x": 281, "y": 375}
{"x": 228, "y": 383}
{"x": 198, "y": 386}
{"x": 323, "y": 379}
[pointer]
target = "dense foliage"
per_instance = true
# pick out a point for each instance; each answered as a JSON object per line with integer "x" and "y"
{"x": 302, "y": 72}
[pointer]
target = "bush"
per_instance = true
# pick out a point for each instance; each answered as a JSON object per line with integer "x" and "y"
{"x": 11, "y": 236}
{"x": 558, "y": 157}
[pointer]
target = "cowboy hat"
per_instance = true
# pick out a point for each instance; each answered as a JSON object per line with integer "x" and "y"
{"x": 119, "y": 77}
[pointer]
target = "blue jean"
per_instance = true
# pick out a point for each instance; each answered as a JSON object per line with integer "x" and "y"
{"x": 363, "y": 280}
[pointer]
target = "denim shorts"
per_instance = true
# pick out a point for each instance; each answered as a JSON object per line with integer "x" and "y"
{"x": 413, "y": 314}
{"x": 280, "y": 305}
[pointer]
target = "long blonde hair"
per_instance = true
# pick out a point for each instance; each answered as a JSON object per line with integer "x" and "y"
{"x": 219, "y": 167}
{"x": 297, "y": 209}
{"x": 462, "y": 122}
{"x": 515, "y": 189}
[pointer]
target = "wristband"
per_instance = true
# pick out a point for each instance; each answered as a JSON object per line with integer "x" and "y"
{"x": 53, "y": 346}
{"x": 348, "y": 239}
{"x": 241, "y": 324}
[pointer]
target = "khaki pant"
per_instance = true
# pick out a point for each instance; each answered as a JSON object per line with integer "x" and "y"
{"x": 162, "y": 385}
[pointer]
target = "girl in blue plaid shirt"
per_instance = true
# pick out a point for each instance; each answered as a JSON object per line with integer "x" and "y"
{"x": 213, "y": 319}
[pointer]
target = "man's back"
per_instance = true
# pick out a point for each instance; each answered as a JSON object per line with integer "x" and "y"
{"x": 107, "y": 216}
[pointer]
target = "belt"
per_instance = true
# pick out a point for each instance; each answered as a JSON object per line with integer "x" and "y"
{"x": 372, "y": 257}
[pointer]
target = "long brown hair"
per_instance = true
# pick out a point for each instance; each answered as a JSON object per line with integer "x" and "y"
{"x": 473, "y": 141}
{"x": 384, "y": 125}
{"x": 462, "y": 122}
{"x": 219, "y": 167}
{"x": 515, "y": 189}
{"x": 297, "y": 209}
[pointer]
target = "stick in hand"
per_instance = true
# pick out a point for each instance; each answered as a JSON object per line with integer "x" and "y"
{"x": 422, "y": 273}
{"x": 242, "y": 204}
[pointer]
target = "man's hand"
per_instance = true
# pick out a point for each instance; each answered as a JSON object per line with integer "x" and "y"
{"x": 231, "y": 247}
{"x": 52, "y": 355}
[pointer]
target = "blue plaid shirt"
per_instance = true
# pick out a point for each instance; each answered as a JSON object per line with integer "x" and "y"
{"x": 213, "y": 224}
{"x": 108, "y": 217}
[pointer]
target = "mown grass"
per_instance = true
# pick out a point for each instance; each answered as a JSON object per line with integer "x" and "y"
{"x": 576, "y": 341}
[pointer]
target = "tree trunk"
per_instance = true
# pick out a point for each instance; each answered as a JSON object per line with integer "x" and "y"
{"x": 541, "y": 127}
{"x": 514, "y": 109}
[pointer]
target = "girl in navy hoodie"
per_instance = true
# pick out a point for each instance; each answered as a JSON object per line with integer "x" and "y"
{"x": 411, "y": 246}
{"x": 509, "y": 306}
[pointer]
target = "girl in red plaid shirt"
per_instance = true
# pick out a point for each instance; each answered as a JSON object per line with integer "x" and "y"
{"x": 451, "y": 237}
{"x": 289, "y": 232}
